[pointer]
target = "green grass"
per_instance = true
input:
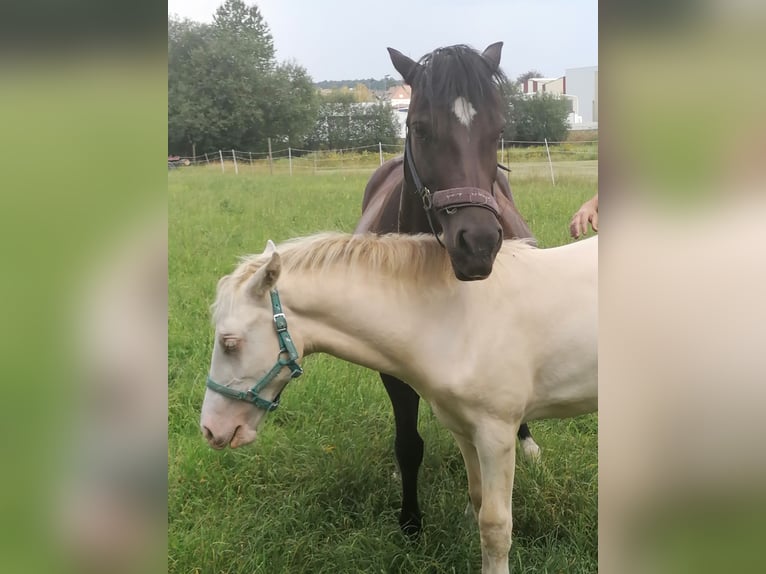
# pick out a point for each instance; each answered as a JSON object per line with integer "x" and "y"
{"x": 316, "y": 492}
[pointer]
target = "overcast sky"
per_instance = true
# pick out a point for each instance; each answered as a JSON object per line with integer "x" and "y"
{"x": 346, "y": 40}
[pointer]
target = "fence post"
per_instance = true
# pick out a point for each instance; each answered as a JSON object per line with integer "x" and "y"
{"x": 271, "y": 163}
{"x": 502, "y": 151}
{"x": 234, "y": 155}
{"x": 290, "y": 159}
{"x": 550, "y": 163}
{"x": 315, "y": 161}
{"x": 206, "y": 159}
{"x": 341, "y": 157}
{"x": 380, "y": 151}
{"x": 220, "y": 153}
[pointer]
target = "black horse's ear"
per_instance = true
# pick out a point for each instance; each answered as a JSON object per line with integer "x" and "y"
{"x": 404, "y": 65}
{"x": 492, "y": 55}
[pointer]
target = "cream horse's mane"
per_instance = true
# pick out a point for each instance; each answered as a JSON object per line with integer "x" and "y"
{"x": 411, "y": 259}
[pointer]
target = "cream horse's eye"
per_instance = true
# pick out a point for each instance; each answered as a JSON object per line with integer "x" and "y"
{"x": 230, "y": 344}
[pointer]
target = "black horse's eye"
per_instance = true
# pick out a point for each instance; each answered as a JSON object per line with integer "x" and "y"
{"x": 420, "y": 131}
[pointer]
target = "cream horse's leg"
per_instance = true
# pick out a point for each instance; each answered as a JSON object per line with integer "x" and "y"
{"x": 473, "y": 470}
{"x": 496, "y": 450}
{"x": 528, "y": 445}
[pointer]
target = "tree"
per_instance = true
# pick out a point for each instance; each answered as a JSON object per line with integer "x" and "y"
{"x": 534, "y": 117}
{"x": 292, "y": 104}
{"x": 513, "y": 96}
{"x": 189, "y": 116}
{"x": 539, "y": 117}
{"x": 225, "y": 88}
{"x": 236, "y": 22}
{"x": 342, "y": 122}
{"x": 363, "y": 94}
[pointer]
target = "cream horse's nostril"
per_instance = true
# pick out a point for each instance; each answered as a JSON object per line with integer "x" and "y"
{"x": 218, "y": 442}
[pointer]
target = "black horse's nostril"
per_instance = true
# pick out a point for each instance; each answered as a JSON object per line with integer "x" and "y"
{"x": 461, "y": 241}
{"x": 206, "y": 433}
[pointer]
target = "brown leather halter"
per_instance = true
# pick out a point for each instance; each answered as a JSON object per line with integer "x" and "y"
{"x": 446, "y": 199}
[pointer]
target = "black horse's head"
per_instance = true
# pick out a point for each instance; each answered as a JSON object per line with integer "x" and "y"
{"x": 454, "y": 123}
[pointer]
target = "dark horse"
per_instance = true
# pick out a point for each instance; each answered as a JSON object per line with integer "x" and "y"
{"x": 447, "y": 183}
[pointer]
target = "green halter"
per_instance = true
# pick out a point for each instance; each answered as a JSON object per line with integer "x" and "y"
{"x": 286, "y": 345}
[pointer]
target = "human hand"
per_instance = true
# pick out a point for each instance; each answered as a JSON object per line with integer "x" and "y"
{"x": 588, "y": 213}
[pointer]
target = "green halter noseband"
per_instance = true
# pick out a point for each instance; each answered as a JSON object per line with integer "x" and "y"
{"x": 286, "y": 345}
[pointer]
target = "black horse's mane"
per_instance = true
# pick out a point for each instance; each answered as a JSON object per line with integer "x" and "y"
{"x": 458, "y": 71}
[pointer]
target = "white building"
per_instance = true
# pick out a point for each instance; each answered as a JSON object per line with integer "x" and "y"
{"x": 582, "y": 87}
{"x": 553, "y": 86}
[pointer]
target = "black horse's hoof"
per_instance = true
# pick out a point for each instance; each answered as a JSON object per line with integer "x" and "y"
{"x": 410, "y": 525}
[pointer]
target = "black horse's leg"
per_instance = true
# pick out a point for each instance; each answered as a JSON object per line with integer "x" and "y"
{"x": 528, "y": 445}
{"x": 409, "y": 449}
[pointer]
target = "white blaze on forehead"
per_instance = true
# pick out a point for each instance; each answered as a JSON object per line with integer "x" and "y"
{"x": 464, "y": 111}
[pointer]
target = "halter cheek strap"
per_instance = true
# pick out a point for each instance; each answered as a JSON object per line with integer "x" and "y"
{"x": 420, "y": 189}
{"x": 286, "y": 345}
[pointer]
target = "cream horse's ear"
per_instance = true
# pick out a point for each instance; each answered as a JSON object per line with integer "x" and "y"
{"x": 266, "y": 277}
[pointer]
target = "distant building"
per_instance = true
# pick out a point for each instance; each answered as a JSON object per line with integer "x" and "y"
{"x": 553, "y": 86}
{"x": 582, "y": 84}
{"x": 399, "y": 96}
{"x": 579, "y": 86}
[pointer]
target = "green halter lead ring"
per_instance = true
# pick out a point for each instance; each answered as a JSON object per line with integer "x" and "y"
{"x": 286, "y": 345}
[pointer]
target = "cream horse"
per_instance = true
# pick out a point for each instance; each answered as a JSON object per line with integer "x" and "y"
{"x": 526, "y": 338}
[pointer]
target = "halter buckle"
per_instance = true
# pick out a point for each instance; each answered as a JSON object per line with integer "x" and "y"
{"x": 280, "y": 322}
{"x": 427, "y": 202}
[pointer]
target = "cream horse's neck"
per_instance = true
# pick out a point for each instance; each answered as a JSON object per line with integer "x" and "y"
{"x": 364, "y": 321}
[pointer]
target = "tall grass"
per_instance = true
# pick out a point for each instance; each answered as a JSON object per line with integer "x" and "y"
{"x": 316, "y": 493}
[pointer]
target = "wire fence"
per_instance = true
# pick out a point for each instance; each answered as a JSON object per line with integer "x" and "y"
{"x": 528, "y": 158}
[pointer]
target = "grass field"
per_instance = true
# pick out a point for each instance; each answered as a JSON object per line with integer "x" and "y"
{"x": 316, "y": 493}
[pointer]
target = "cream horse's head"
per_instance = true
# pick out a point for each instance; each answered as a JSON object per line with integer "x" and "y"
{"x": 253, "y": 354}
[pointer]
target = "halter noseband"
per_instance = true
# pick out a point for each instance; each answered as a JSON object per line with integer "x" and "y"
{"x": 286, "y": 345}
{"x": 446, "y": 199}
